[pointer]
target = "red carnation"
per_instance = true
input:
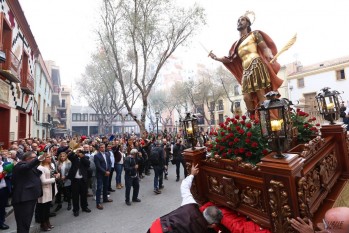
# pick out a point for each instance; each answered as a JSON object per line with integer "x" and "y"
{"x": 238, "y": 128}
{"x": 235, "y": 122}
{"x": 243, "y": 117}
{"x": 230, "y": 151}
{"x": 236, "y": 140}
{"x": 247, "y": 140}
{"x": 305, "y": 125}
{"x": 249, "y": 125}
{"x": 218, "y": 140}
{"x": 231, "y": 143}
{"x": 236, "y": 151}
{"x": 265, "y": 152}
{"x": 241, "y": 150}
{"x": 231, "y": 135}
{"x": 249, "y": 134}
{"x": 248, "y": 154}
{"x": 224, "y": 155}
{"x": 241, "y": 131}
{"x": 256, "y": 121}
{"x": 215, "y": 133}
{"x": 317, "y": 125}
{"x": 254, "y": 144}
{"x": 242, "y": 122}
{"x": 222, "y": 133}
{"x": 237, "y": 117}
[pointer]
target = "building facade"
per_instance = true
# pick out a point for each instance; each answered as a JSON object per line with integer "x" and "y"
{"x": 85, "y": 121}
{"x": 305, "y": 82}
{"x": 42, "y": 115}
{"x": 18, "y": 55}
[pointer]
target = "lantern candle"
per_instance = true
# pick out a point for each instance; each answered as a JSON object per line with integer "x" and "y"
{"x": 190, "y": 130}
{"x": 275, "y": 125}
{"x": 330, "y": 106}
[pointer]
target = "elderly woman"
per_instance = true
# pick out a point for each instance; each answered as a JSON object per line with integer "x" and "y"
{"x": 47, "y": 179}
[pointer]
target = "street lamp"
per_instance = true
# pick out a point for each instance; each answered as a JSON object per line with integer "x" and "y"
{"x": 157, "y": 115}
{"x": 276, "y": 124}
{"x": 176, "y": 125}
{"x": 328, "y": 104}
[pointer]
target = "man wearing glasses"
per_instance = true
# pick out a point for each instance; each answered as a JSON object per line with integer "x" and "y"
{"x": 336, "y": 221}
{"x": 26, "y": 189}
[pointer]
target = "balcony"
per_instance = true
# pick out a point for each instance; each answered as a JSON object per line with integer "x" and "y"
{"x": 10, "y": 67}
{"x": 27, "y": 83}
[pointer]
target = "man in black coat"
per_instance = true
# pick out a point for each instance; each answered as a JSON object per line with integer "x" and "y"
{"x": 26, "y": 189}
{"x": 178, "y": 149}
{"x": 103, "y": 167}
{"x": 158, "y": 165}
{"x": 78, "y": 176}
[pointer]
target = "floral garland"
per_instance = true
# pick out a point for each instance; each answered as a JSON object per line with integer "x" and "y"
{"x": 239, "y": 137}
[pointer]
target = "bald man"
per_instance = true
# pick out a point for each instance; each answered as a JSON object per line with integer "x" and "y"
{"x": 336, "y": 221}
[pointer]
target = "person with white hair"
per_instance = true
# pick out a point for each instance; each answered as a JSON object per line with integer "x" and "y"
{"x": 336, "y": 220}
{"x": 131, "y": 177}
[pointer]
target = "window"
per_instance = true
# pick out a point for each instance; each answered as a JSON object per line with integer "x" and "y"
{"x": 340, "y": 74}
{"x": 220, "y": 105}
{"x": 93, "y": 117}
{"x": 76, "y": 117}
{"x": 221, "y": 119}
{"x": 236, "y": 90}
{"x": 300, "y": 82}
{"x": 84, "y": 117}
{"x": 212, "y": 119}
{"x": 212, "y": 104}
{"x": 63, "y": 103}
{"x": 237, "y": 104}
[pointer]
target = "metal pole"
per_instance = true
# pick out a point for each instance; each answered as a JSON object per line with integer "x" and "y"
{"x": 157, "y": 128}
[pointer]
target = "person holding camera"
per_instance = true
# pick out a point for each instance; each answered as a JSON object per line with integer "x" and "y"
{"x": 26, "y": 189}
{"x": 131, "y": 177}
{"x": 80, "y": 163}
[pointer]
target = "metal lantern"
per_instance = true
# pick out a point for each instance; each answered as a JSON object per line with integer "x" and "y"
{"x": 328, "y": 104}
{"x": 191, "y": 129}
{"x": 276, "y": 124}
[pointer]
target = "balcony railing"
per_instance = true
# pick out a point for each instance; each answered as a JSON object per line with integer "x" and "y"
{"x": 11, "y": 67}
{"x": 27, "y": 83}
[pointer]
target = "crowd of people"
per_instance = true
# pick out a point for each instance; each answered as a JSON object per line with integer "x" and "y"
{"x": 40, "y": 176}
{"x": 47, "y": 173}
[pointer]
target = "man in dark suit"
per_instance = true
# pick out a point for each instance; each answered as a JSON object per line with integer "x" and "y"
{"x": 103, "y": 166}
{"x": 78, "y": 176}
{"x": 26, "y": 189}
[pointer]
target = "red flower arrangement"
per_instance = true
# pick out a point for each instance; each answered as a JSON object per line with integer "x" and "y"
{"x": 239, "y": 137}
{"x": 305, "y": 125}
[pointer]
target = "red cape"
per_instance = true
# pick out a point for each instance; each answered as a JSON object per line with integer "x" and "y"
{"x": 235, "y": 66}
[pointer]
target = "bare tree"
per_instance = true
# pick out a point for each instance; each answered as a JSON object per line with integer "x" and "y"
{"x": 97, "y": 86}
{"x": 138, "y": 37}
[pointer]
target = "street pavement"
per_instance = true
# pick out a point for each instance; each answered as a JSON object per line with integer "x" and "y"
{"x": 117, "y": 217}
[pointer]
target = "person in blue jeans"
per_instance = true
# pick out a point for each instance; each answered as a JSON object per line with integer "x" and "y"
{"x": 119, "y": 164}
{"x": 158, "y": 166}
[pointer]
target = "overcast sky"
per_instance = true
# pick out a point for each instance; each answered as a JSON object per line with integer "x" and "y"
{"x": 64, "y": 29}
